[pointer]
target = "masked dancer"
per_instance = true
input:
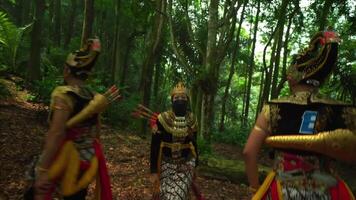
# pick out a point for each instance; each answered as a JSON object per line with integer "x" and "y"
{"x": 174, "y": 152}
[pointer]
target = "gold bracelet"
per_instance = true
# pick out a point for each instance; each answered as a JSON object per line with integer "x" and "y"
{"x": 41, "y": 169}
{"x": 252, "y": 190}
{"x": 257, "y": 128}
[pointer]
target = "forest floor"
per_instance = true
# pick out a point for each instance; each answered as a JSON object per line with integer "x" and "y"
{"x": 22, "y": 129}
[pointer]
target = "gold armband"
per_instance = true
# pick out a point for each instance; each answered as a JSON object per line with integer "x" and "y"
{"x": 252, "y": 190}
{"x": 257, "y": 128}
{"x": 60, "y": 107}
{"x": 41, "y": 169}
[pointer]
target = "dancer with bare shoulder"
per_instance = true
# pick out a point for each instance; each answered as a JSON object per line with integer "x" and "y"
{"x": 306, "y": 131}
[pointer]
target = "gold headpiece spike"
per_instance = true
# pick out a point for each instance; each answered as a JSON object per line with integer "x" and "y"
{"x": 179, "y": 89}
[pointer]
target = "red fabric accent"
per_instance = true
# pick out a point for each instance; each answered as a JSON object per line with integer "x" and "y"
{"x": 198, "y": 194}
{"x": 71, "y": 134}
{"x": 96, "y": 45}
{"x": 74, "y": 133}
{"x": 84, "y": 165}
{"x": 105, "y": 189}
{"x": 329, "y": 34}
{"x": 322, "y": 41}
{"x": 49, "y": 194}
{"x": 293, "y": 162}
{"x": 153, "y": 120}
{"x": 274, "y": 191}
{"x": 340, "y": 192}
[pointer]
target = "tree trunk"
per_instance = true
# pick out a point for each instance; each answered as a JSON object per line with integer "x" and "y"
{"x": 242, "y": 115}
{"x": 88, "y": 20}
{"x": 285, "y": 55}
{"x": 258, "y": 108}
{"x": 25, "y": 12}
{"x": 211, "y": 68}
{"x": 156, "y": 83}
{"x": 323, "y": 19}
{"x": 232, "y": 71}
{"x": 268, "y": 71}
{"x": 36, "y": 42}
{"x": 245, "y": 74}
{"x": 70, "y": 23}
{"x": 116, "y": 55}
{"x": 57, "y": 22}
{"x": 252, "y": 64}
{"x": 153, "y": 53}
{"x": 125, "y": 64}
{"x": 279, "y": 37}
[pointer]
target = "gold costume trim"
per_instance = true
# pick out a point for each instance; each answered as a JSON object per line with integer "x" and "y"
{"x": 167, "y": 121}
{"x": 265, "y": 186}
{"x": 68, "y": 164}
{"x": 266, "y": 112}
{"x": 60, "y": 92}
{"x": 174, "y": 147}
{"x": 84, "y": 56}
{"x": 338, "y": 144}
{"x": 179, "y": 146}
{"x": 348, "y": 190}
{"x": 304, "y": 97}
{"x": 274, "y": 117}
{"x": 259, "y": 129}
{"x": 179, "y": 89}
{"x": 349, "y": 116}
{"x": 59, "y": 107}
{"x": 312, "y": 70}
{"x": 279, "y": 190}
{"x": 97, "y": 105}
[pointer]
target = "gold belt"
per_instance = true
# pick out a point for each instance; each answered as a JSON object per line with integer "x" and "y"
{"x": 178, "y": 146}
{"x": 175, "y": 147}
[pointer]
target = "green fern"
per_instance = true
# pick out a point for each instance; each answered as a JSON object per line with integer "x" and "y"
{"x": 10, "y": 39}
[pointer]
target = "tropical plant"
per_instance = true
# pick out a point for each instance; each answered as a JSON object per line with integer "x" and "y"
{"x": 10, "y": 39}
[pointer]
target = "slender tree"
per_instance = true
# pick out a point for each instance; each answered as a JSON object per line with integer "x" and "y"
{"x": 232, "y": 69}
{"x": 252, "y": 63}
{"x": 324, "y": 15}
{"x": 34, "y": 70}
{"x": 153, "y": 53}
{"x": 71, "y": 22}
{"x": 57, "y": 22}
{"x": 88, "y": 20}
{"x": 279, "y": 41}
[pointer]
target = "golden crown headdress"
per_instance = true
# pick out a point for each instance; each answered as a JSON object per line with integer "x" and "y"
{"x": 179, "y": 89}
{"x": 315, "y": 64}
{"x": 86, "y": 56}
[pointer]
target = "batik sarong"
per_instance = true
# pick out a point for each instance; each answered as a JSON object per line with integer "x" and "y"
{"x": 176, "y": 179}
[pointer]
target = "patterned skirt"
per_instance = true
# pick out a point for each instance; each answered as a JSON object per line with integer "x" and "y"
{"x": 302, "y": 178}
{"x": 176, "y": 179}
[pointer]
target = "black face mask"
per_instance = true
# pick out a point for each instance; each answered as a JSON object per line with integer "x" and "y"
{"x": 180, "y": 107}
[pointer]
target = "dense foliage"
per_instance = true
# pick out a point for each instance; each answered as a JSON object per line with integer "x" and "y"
{"x": 233, "y": 54}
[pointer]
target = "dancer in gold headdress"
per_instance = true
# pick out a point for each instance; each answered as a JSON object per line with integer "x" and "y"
{"x": 72, "y": 156}
{"x": 174, "y": 152}
{"x": 306, "y": 132}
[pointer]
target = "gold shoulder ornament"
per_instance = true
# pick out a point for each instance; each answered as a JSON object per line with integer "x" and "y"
{"x": 97, "y": 105}
{"x": 338, "y": 144}
{"x": 177, "y": 126}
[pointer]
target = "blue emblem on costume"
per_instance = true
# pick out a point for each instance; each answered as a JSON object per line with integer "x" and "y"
{"x": 308, "y": 122}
